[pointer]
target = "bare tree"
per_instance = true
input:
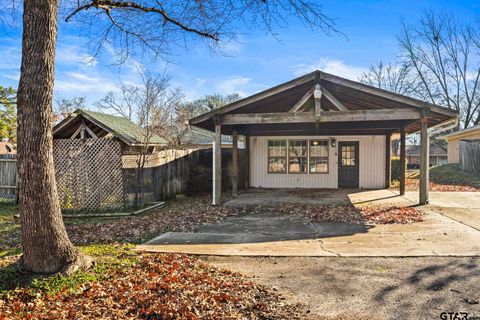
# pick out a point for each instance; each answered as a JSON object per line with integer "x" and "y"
{"x": 64, "y": 107}
{"x": 397, "y": 78}
{"x": 151, "y": 106}
{"x": 189, "y": 109}
{"x": 444, "y": 54}
{"x": 127, "y": 27}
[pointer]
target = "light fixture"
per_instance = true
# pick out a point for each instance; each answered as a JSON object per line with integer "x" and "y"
{"x": 317, "y": 94}
{"x": 333, "y": 142}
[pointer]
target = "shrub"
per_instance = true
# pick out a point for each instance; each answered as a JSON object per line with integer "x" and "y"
{"x": 396, "y": 168}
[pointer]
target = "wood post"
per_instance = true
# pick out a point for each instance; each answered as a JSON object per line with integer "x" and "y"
{"x": 402, "y": 161}
{"x": 424, "y": 161}
{"x": 247, "y": 162}
{"x": 388, "y": 160}
{"x": 234, "y": 163}
{"x": 217, "y": 167}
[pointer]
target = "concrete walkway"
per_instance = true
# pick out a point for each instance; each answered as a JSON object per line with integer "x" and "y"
{"x": 271, "y": 234}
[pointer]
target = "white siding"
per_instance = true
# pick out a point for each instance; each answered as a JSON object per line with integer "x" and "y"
{"x": 371, "y": 158}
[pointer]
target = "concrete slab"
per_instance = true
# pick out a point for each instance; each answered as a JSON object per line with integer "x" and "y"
{"x": 445, "y": 231}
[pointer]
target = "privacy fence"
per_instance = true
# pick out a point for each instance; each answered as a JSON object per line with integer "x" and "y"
{"x": 470, "y": 155}
{"x": 95, "y": 175}
{"x": 8, "y": 177}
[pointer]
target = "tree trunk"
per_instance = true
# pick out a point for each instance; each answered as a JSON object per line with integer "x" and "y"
{"x": 46, "y": 247}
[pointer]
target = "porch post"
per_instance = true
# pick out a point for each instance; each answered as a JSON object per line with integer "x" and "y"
{"x": 217, "y": 167}
{"x": 247, "y": 162}
{"x": 388, "y": 160}
{"x": 234, "y": 163}
{"x": 424, "y": 161}
{"x": 402, "y": 161}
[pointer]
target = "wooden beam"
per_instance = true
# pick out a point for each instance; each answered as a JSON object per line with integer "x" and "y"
{"x": 247, "y": 162}
{"x": 424, "y": 162}
{"x": 334, "y": 100}
{"x": 388, "y": 160}
{"x": 256, "y": 97}
{"x": 90, "y": 132}
{"x": 302, "y": 100}
{"x": 386, "y": 94}
{"x": 402, "y": 161}
{"x": 317, "y": 93}
{"x": 326, "y": 116}
{"x": 79, "y": 129}
{"x": 217, "y": 167}
{"x": 234, "y": 163}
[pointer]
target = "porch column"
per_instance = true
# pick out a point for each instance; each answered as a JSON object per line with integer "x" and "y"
{"x": 234, "y": 163}
{"x": 424, "y": 163}
{"x": 402, "y": 161}
{"x": 388, "y": 160}
{"x": 247, "y": 162}
{"x": 217, "y": 167}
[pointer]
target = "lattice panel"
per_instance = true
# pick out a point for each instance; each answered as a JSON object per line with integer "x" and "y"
{"x": 89, "y": 174}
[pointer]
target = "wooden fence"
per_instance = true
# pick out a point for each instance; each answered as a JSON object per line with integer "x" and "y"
{"x": 8, "y": 176}
{"x": 470, "y": 155}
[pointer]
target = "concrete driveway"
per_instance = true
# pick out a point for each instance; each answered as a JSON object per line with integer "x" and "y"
{"x": 447, "y": 230}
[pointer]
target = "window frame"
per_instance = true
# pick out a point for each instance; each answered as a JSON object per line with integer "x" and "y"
{"x": 287, "y": 156}
{"x": 269, "y": 157}
{"x": 328, "y": 156}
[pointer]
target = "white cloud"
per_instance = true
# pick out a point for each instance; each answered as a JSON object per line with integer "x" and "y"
{"x": 72, "y": 82}
{"x": 333, "y": 66}
{"x": 234, "y": 84}
{"x": 199, "y": 82}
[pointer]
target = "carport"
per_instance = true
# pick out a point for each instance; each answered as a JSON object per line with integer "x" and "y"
{"x": 322, "y": 131}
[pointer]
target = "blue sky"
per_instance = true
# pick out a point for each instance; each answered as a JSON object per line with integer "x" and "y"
{"x": 257, "y": 61}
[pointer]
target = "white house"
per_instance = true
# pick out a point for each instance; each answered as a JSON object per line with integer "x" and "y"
{"x": 323, "y": 131}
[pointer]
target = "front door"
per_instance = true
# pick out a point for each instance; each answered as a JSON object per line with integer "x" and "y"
{"x": 348, "y": 164}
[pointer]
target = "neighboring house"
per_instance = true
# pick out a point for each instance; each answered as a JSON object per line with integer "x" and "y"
{"x": 85, "y": 124}
{"x": 6, "y": 147}
{"x": 198, "y": 138}
{"x": 453, "y": 140}
{"x": 437, "y": 155}
{"x": 322, "y": 131}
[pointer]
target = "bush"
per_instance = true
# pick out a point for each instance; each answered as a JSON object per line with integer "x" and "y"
{"x": 396, "y": 168}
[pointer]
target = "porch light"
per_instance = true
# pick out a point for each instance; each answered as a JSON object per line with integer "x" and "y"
{"x": 317, "y": 94}
{"x": 333, "y": 142}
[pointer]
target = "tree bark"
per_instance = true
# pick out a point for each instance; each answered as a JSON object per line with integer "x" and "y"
{"x": 46, "y": 247}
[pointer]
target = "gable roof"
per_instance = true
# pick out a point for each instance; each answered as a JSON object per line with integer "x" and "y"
{"x": 435, "y": 150}
{"x": 198, "y": 136}
{"x": 460, "y": 133}
{"x": 117, "y": 126}
{"x": 353, "y": 95}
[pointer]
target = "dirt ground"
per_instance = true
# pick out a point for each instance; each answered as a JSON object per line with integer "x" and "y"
{"x": 369, "y": 288}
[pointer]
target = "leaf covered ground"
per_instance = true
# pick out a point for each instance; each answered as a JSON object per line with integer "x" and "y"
{"x": 446, "y": 178}
{"x": 129, "y": 285}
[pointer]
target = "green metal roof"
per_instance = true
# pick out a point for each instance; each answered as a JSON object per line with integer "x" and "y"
{"x": 121, "y": 127}
{"x": 198, "y": 136}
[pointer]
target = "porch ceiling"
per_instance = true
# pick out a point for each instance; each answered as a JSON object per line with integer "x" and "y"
{"x": 347, "y": 96}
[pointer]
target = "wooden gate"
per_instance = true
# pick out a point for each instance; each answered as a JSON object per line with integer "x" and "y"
{"x": 470, "y": 155}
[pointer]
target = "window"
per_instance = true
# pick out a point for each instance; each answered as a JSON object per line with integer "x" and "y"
{"x": 318, "y": 156}
{"x": 302, "y": 156}
{"x": 277, "y": 156}
{"x": 297, "y": 156}
{"x": 348, "y": 156}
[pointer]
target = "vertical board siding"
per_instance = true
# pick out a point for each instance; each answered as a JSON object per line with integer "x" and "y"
{"x": 8, "y": 176}
{"x": 371, "y": 157}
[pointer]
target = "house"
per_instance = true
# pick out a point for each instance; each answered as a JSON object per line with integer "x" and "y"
{"x": 197, "y": 138}
{"x": 95, "y": 157}
{"x": 453, "y": 140}
{"x": 438, "y": 155}
{"x": 322, "y": 131}
{"x": 6, "y": 147}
